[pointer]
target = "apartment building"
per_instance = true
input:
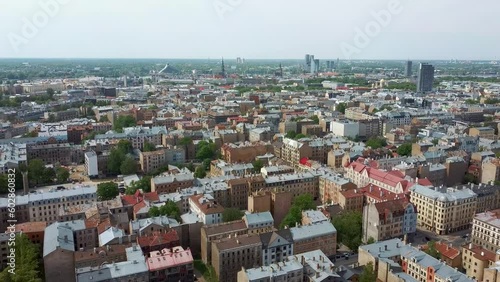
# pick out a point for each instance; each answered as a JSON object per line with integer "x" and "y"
{"x": 476, "y": 259}
{"x": 245, "y": 152}
{"x": 152, "y": 161}
{"x": 483, "y": 132}
{"x": 171, "y": 264}
{"x": 158, "y": 241}
{"x": 91, "y": 164}
{"x": 148, "y": 226}
{"x": 33, "y": 230}
{"x": 389, "y": 219}
{"x": 345, "y": 128}
{"x": 50, "y": 153}
{"x": 310, "y": 266}
{"x": 318, "y": 236}
{"x": 351, "y": 200}
{"x": 259, "y": 222}
{"x": 297, "y": 184}
{"x": 221, "y": 168}
{"x": 46, "y": 206}
{"x": 276, "y": 246}
{"x": 293, "y": 151}
{"x": 444, "y": 210}
{"x": 96, "y": 256}
{"x": 137, "y": 136}
{"x": 212, "y": 233}
{"x": 330, "y": 185}
{"x": 362, "y": 175}
{"x": 490, "y": 170}
{"x": 170, "y": 183}
{"x": 229, "y": 255}
{"x": 486, "y": 230}
{"x": 206, "y": 209}
{"x": 395, "y": 261}
{"x": 134, "y": 268}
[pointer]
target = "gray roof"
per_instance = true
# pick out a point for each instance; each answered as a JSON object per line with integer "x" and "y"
{"x": 109, "y": 235}
{"x": 258, "y": 218}
{"x": 54, "y": 195}
{"x": 312, "y": 230}
{"x": 443, "y": 194}
{"x": 112, "y": 271}
{"x": 141, "y": 224}
{"x": 174, "y": 177}
{"x": 59, "y": 235}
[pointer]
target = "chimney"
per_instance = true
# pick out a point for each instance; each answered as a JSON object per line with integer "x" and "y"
{"x": 385, "y": 247}
{"x": 470, "y": 246}
{"x": 26, "y": 186}
{"x": 482, "y": 254}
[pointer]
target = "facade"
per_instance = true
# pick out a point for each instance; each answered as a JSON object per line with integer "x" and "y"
{"x": 245, "y": 152}
{"x": 51, "y": 153}
{"x": 165, "y": 184}
{"x": 389, "y": 219}
{"x": 318, "y": 236}
{"x": 483, "y": 132}
{"x": 276, "y": 246}
{"x": 425, "y": 78}
{"x": 345, "y": 128}
{"x": 91, "y": 165}
{"x": 486, "y": 230}
{"x": 444, "y": 210}
{"x": 152, "y": 161}
{"x": 476, "y": 259}
{"x": 207, "y": 210}
{"x": 490, "y": 170}
{"x": 229, "y": 255}
{"x": 331, "y": 185}
{"x": 215, "y": 232}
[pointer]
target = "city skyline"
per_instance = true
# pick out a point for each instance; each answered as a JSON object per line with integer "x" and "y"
{"x": 212, "y": 29}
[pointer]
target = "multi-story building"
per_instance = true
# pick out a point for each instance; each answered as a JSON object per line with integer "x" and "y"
{"x": 171, "y": 264}
{"x": 483, "y": 132}
{"x": 312, "y": 130}
{"x": 207, "y": 210}
{"x": 158, "y": 241}
{"x": 91, "y": 164}
{"x": 245, "y": 152}
{"x": 318, "y": 236}
{"x": 476, "y": 259}
{"x": 165, "y": 184}
{"x": 394, "y": 261}
{"x": 62, "y": 115}
{"x": 276, "y": 246}
{"x": 345, "y": 128}
{"x": 134, "y": 268}
{"x": 137, "y": 136}
{"x": 293, "y": 151}
{"x": 50, "y": 153}
{"x": 152, "y": 161}
{"x": 96, "y": 256}
{"x": 287, "y": 126}
{"x": 259, "y": 222}
{"x": 229, "y": 255}
{"x": 444, "y": 210}
{"x": 220, "y": 168}
{"x": 425, "y": 79}
{"x": 297, "y": 184}
{"x": 310, "y": 266}
{"x": 490, "y": 170}
{"x": 486, "y": 230}
{"x": 212, "y": 233}
{"x": 389, "y": 219}
{"x": 331, "y": 185}
{"x": 33, "y": 230}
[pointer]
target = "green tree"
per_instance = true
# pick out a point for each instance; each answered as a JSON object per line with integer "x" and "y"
{"x": 370, "y": 241}
{"x": 50, "y": 92}
{"x": 405, "y": 149}
{"x": 122, "y": 122}
{"x": 115, "y": 160}
{"x": 349, "y": 229}
{"x": 171, "y": 209}
{"x": 148, "y": 147}
{"x": 315, "y": 118}
{"x": 128, "y": 166}
{"x": 300, "y": 136}
{"x": 291, "y": 134}
{"x": 368, "y": 274}
{"x": 103, "y": 118}
{"x": 124, "y": 146}
{"x": 435, "y": 141}
{"x": 470, "y": 178}
{"x": 154, "y": 211}
{"x": 231, "y": 214}
{"x": 205, "y": 150}
{"x": 341, "y": 108}
{"x": 107, "y": 191}
{"x": 294, "y": 215}
{"x": 376, "y": 142}
{"x": 186, "y": 141}
{"x": 36, "y": 170}
{"x": 27, "y": 262}
{"x": 432, "y": 251}
{"x": 200, "y": 172}
{"x": 257, "y": 165}
{"x": 143, "y": 184}
{"x": 62, "y": 175}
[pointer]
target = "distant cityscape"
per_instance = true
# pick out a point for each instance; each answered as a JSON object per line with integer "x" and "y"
{"x": 235, "y": 169}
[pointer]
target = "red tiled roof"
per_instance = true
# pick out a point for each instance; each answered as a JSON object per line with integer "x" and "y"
{"x": 157, "y": 238}
{"x": 447, "y": 250}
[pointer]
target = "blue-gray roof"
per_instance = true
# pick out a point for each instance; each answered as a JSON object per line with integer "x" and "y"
{"x": 59, "y": 235}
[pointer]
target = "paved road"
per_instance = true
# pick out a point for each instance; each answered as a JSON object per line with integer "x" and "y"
{"x": 456, "y": 239}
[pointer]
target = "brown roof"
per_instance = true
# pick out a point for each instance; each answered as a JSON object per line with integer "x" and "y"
{"x": 224, "y": 228}
{"x": 158, "y": 238}
{"x": 480, "y": 252}
{"x": 28, "y": 227}
{"x": 207, "y": 207}
{"x": 104, "y": 251}
{"x": 447, "y": 250}
{"x": 237, "y": 242}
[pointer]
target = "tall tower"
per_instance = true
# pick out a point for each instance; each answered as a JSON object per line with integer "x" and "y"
{"x": 281, "y": 70}
{"x": 223, "y": 69}
{"x": 425, "y": 78}
{"x": 408, "y": 66}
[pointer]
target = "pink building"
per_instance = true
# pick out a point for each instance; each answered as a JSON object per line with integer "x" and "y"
{"x": 174, "y": 264}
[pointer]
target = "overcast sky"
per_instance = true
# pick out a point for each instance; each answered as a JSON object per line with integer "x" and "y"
{"x": 253, "y": 29}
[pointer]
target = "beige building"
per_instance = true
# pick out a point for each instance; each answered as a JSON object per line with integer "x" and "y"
{"x": 483, "y": 132}
{"x": 331, "y": 185}
{"x": 318, "y": 236}
{"x": 229, "y": 255}
{"x": 486, "y": 230}
{"x": 151, "y": 161}
{"x": 490, "y": 170}
{"x": 476, "y": 259}
{"x": 444, "y": 210}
